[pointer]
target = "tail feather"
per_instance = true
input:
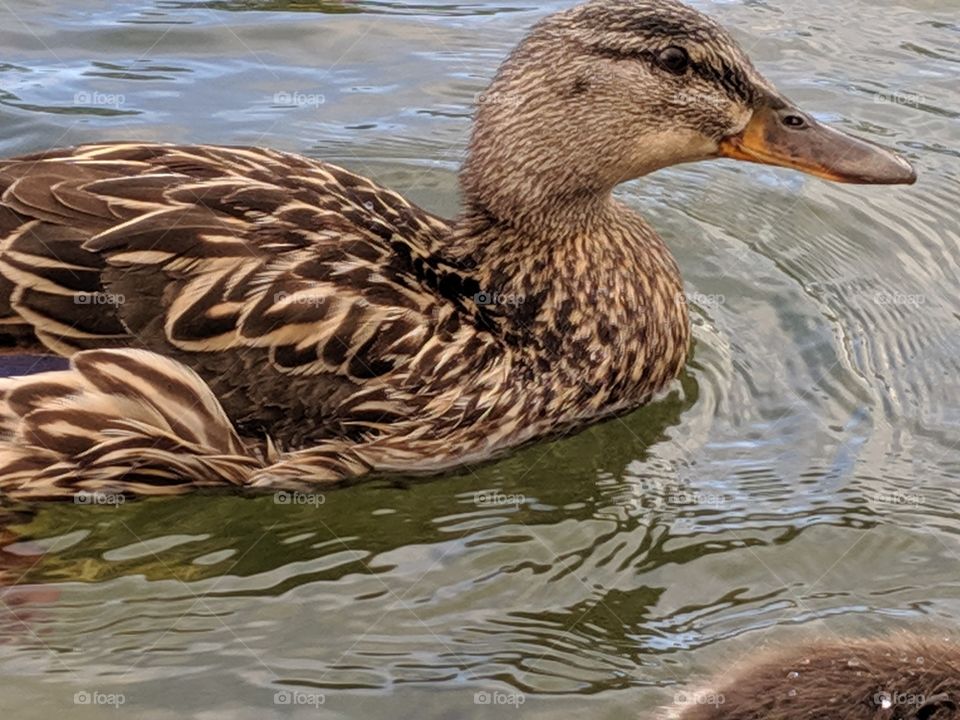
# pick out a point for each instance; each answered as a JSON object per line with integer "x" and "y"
{"x": 118, "y": 421}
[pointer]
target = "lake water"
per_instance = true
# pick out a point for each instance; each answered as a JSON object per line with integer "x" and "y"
{"x": 799, "y": 481}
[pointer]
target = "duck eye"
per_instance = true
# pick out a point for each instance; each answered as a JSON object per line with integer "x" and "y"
{"x": 675, "y": 59}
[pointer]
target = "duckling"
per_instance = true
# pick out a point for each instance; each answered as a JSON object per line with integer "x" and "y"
{"x": 903, "y": 677}
{"x": 247, "y": 317}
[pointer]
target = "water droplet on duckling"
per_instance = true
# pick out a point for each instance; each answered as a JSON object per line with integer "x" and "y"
{"x": 792, "y": 693}
{"x": 920, "y": 660}
{"x": 793, "y": 675}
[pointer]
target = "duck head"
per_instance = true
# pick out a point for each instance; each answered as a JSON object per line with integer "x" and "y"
{"x": 614, "y": 89}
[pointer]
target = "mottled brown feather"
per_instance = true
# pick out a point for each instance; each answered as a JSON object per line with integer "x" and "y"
{"x": 324, "y": 326}
{"x": 903, "y": 677}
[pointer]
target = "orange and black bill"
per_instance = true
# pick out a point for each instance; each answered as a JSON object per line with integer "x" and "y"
{"x": 787, "y": 137}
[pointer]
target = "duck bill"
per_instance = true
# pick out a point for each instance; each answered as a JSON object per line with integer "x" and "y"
{"x": 789, "y": 138}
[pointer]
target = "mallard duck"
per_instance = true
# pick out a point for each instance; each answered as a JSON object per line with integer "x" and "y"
{"x": 246, "y": 317}
{"x": 903, "y": 677}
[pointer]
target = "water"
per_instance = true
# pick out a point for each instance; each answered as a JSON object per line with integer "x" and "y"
{"x": 800, "y": 480}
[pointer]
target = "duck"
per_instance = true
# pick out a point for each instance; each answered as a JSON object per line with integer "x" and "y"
{"x": 903, "y": 676}
{"x": 240, "y": 317}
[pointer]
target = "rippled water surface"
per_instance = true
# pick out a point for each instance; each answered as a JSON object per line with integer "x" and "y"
{"x": 801, "y": 479}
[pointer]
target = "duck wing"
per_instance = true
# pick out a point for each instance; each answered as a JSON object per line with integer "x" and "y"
{"x": 287, "y": 284}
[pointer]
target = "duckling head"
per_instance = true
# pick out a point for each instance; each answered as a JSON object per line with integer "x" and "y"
{"x": 899, "y": 677}
{"x": 611, "y": 90}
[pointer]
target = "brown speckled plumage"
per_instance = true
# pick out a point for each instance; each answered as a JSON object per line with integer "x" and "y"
{"x": 326, "y": 326}
{"x": 904, "y": 677}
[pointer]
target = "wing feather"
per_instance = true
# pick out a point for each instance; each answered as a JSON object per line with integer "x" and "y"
{"x": 119, "y": 420}
{"x": 287, "y": 283}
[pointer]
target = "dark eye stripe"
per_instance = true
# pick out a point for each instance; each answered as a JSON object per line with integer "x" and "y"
{"x": 734, "y": 82}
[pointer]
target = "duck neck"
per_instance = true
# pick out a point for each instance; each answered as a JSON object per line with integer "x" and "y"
{"x": 586, "y": 286}
{"x": 521, "y": 253}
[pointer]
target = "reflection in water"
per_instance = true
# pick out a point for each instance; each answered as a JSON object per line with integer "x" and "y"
{"x": 259, "y": 530}
{"x": 319, "y": 6}
{"x": 345, "y": 6}
{"x": 801, "y": 478}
